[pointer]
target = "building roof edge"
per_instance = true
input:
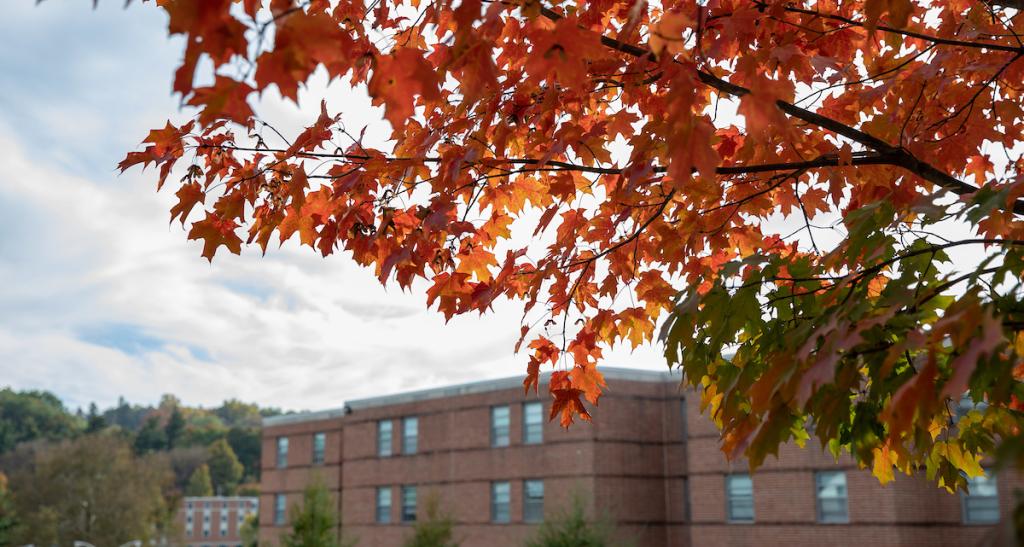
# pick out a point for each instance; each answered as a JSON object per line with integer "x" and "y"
{"x": 467, "y": 388}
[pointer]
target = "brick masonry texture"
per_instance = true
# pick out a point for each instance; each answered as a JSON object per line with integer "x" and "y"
{"x": 645, "y": 463}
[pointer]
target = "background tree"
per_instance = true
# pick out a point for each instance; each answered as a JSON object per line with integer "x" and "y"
{"x": 199, "y": 484}
{"x": 91, "y": 489}
{"x": 314, "y": 522}
{"x": 436, "y": 529}
{"x": 94, "y": 421}
{"x": 225, "y": 469}
{"x": 175, "y": 427}
{"x": 127, "y": 416}
{"x": 8, "y": 519}
{"x": 151, "y": 437}
{"x": 249, "y": 532}
{"x": 854, "y": 241}
{"x": 236, "y": 413}
{"x": 247, "y": 444}
{"x": 29, "y": 415}
{"x": 571, "y": 527}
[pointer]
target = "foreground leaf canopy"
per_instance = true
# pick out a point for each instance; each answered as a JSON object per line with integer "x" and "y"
{"x": 817, "y": 204}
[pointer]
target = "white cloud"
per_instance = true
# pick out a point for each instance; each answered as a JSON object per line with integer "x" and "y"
{"x": 99, "y": 297}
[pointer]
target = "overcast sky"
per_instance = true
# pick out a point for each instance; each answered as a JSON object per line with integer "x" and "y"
{"x": 100, "y": 297}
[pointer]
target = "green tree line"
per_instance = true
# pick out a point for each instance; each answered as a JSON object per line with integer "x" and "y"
{"x": 114, "y": 475}
{"x": 190, "y": 435}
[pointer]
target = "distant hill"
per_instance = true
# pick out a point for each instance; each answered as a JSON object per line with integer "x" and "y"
{"x": 182, "y": 432}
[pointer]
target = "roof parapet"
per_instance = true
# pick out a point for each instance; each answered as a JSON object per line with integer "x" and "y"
{"x": 468, "y": 388}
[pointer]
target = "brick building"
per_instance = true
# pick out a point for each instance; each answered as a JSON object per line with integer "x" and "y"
{"x": 214, "y": 521}
{"x": 649, "y": 461}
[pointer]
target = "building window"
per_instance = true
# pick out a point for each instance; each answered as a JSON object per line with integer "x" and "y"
{"x": 533, "y": 501}
{"x": 831, "y": 493}
{"x": 533, "y": 423}
{"x": 384, "y": 438}
{"x": 408, "y": 504}
{"x": 686, "y": 499}
{"x": 189, "y": 505}
{"x": 501, "y": 497}
{"x": 279, "y": 504}
{"x": 282, "y": 452}
{"x": 319, "y": 445}
{"x": 188, "y": 530}
{"x": 410, "y": 434}
{"x": 500, "y": 419}
{"x": 739, "y": 496}
{"x": 981, "y": 501}
{"x": 383, "y": 504}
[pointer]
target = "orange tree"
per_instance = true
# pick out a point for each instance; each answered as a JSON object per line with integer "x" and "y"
{"x": 827, "y": 192}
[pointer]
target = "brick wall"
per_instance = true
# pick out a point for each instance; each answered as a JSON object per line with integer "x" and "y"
{"x": 645, "y": 463}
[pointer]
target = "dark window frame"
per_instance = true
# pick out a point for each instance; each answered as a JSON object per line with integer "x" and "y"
{"x": 824, "y": 516}
{"x": 410, "y": 443}
{"x": 319, "y": 447}
{"x": 736, "y": 500}
{"x": 530, "y": 428}
{"x": 501, "y": 514}
{"x": 408, "y": 509}
{"x": 282, "y": 452}
{"x": 385, "y": 449}
{"x": 382, "y": 511}
{"x": 533, "y": 510}
{"x": 280, "y": 508}
{"x": 973, "y": 498}
{"x": 501, "y": 438}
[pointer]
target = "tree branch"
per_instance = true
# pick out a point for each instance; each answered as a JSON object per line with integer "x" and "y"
{"x": 899, "y": 156}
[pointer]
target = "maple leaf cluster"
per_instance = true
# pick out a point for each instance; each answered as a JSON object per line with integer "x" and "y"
{"x": 818, "y": 201}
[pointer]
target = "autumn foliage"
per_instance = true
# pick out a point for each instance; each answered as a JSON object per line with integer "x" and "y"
{"x": 828, "y": 193}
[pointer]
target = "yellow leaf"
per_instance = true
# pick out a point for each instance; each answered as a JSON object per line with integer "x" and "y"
{"x": 883, "y": 463}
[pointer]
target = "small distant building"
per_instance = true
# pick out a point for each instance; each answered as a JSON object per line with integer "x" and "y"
{"x": 215, "y": 521}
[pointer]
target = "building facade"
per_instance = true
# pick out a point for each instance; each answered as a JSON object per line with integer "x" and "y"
{"x": 215, "y": 521}
{"x": 650, "y": 462}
